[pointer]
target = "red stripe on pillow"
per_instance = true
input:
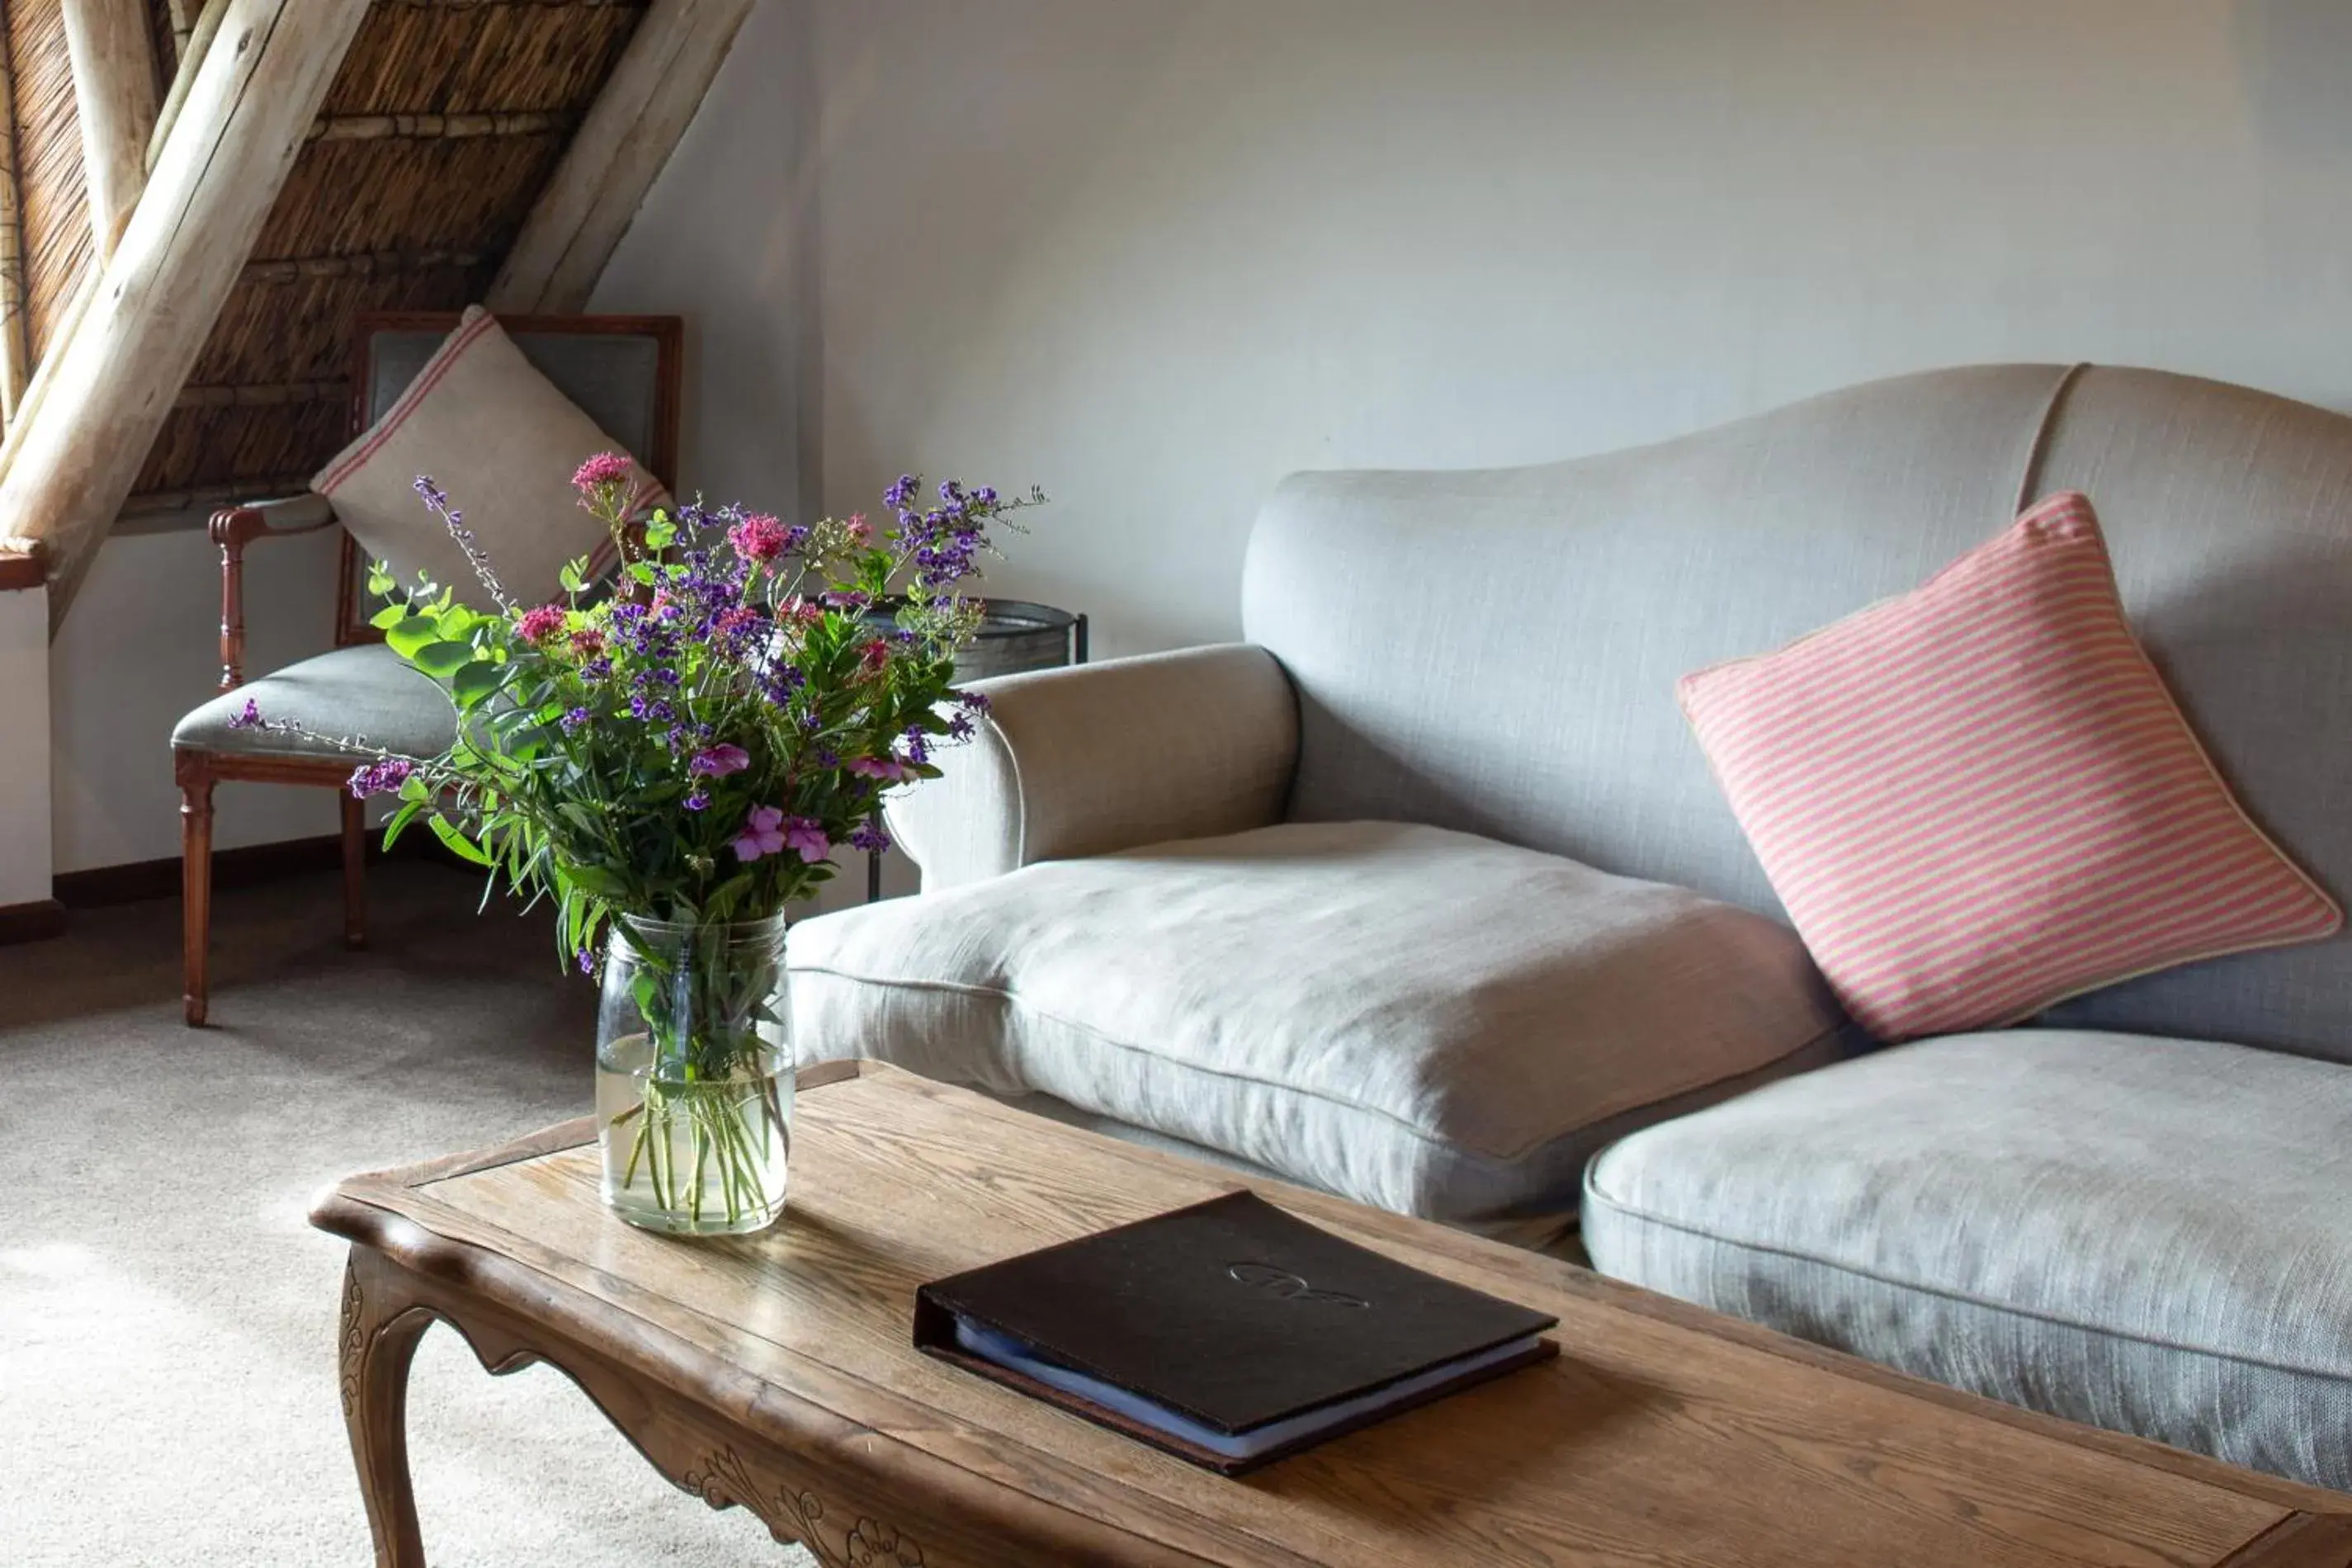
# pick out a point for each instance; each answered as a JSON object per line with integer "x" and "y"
{"x": 444, "y": 357}
{"x": 1978, "y": 798}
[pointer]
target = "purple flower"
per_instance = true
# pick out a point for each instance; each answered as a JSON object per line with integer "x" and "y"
{"x": 587, "y": 962}
{"x": 804, "y": 837}
{"x": 889, "y": 768}
{"x": 899, "y": 494}
{"x": 869, "y": 837}
{"x": 919, "y": 750}
{"x": 696, "y": 801}
{"x": 763, "y": 834}
{"x": 574, "y": 718}
{"x": 437, "y": 500}
{"x": 382, "y": 776}
{"x": 247, "y": 717}
{"x": 718, "y": 762}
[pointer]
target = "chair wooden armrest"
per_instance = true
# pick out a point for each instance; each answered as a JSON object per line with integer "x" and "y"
{"x": 233, "y": 528}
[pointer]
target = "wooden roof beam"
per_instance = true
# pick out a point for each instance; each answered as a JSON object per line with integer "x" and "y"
{"x": 625, "y": 139}
{"x": 440, "y": 126}
{"x": 16, "y": 304}
{"x": 113, "y": 58}
{"x": 68, "y": 467}
{"x": 284, "y": 270}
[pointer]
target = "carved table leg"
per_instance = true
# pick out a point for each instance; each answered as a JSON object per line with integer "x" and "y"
{"x": 382, "y": 1323}
{"x": 387, "y": 1309}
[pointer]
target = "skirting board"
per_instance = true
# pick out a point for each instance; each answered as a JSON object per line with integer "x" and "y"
{"x": 37, "y": 921}
{"x": 249, "y": 866}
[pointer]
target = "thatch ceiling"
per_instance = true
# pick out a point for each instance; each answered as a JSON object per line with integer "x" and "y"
{"x": 442, "y": 127}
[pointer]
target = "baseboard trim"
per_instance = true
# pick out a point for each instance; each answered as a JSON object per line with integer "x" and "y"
{"x": 36, "y": 921}
{"x": 249, "y": 866}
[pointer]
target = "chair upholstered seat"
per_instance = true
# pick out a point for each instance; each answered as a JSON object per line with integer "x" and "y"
{"x": 1413, "y": 1017}
{"x": 365, "y": 694}
{"x": 2149, "y": 1235}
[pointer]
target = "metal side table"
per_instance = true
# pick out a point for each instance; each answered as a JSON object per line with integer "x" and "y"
{"x": 1015, "y": 636}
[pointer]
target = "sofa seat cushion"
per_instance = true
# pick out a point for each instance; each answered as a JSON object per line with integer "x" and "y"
{"x": 1417, "y": 1018}
{"x": 366, "y": 694}
{"x": 2149, "y": 1235}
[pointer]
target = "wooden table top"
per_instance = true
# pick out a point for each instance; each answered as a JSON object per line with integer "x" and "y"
{"x": 1663, "y": 1435}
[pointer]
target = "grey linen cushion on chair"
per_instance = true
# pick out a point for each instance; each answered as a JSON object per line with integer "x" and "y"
{"x": 1422, "y": 1019}
{"x": 2149, "y": 1235}
{"x": 367, "y": 693}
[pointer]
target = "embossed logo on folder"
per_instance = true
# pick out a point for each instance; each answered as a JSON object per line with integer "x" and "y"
{"x": 1265, "y": 1279}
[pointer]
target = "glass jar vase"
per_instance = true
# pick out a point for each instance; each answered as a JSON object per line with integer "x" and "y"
{"x": 694, "y": 1074}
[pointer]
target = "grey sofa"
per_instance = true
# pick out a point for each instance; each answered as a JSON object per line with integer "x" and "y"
{"x": 2135, "y": 1211}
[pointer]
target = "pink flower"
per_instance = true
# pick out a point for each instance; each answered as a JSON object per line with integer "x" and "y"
{"x": 718, "y": 762}
{"x": 889, "y": 768}
{"x": 587, "y": 642}
{"x": 763, "y": 834}
{"x": 759, "y": 538}
{"x": 603, "y": 468}
{"x": 538, "y": 626}
{"x": 858, "y": 532}
{"x": 742, "y": 617}
{"x": 804, "y": 837}
{"x": 874, "y": 654}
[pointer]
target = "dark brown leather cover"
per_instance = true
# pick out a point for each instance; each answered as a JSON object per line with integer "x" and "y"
{"x": 1231, "y": 1311}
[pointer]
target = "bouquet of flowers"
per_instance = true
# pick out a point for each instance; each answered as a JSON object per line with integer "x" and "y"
{"x": 676, "y": 761}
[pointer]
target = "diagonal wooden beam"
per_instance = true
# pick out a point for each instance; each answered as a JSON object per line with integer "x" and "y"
{"x": 625, "y": 139}
{"x": 113, "y": 58}
{"x": 71, "y": 465}
{"x": 16, "y": 342}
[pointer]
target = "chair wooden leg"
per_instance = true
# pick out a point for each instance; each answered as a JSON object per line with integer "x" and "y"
{"x": 355, "y": 871}
{"x": 194, "y": 774}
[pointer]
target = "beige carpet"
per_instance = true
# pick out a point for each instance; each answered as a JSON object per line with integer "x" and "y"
{"x": 167, "y": 1346}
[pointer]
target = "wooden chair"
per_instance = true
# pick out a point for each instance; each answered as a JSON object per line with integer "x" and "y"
{"x": 623, "y": 371}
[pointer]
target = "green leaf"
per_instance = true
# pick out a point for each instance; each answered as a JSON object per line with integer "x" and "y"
{"x": 409, "y": 635}
{"x": 400, "y": 821}
{"x": 441, "y": 659}
{"x": 457, "y": 622}
{"x": 389, "y": 616}
{"x": 380, "y": 580}
{"x": 459, "y": 844}
{"x": 475, "y": 681}
{"x": 661, "y": 533}
{"x": 574, "y": 576}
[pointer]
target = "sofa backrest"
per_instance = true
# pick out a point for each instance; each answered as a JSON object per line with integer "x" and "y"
{"x": 1497, "y": 650}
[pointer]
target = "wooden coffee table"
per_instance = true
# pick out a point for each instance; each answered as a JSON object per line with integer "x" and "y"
{"x": 775, "y": 1372}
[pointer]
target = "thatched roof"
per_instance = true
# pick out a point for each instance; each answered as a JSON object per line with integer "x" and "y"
{"x": 442, "y": 125}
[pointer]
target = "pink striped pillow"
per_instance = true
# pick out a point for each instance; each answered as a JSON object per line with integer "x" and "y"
{"x": 1978, "y": 798}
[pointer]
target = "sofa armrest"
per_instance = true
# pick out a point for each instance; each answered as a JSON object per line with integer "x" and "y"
{"x": 234, "y": 528}
{"x": 1099, "y": 757}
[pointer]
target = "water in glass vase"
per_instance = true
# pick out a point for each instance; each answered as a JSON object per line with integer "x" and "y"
{"x": 697, "y": 1158}
{"x": 694, "y": 1081}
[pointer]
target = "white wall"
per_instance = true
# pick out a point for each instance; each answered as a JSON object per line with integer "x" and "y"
{"x": 24, "y": 746}
{"x": 1156, "y": 253}
{"x": 141, "y": 647}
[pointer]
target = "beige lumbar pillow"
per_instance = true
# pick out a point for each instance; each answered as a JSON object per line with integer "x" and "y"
{"x": 497, "y": 436}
